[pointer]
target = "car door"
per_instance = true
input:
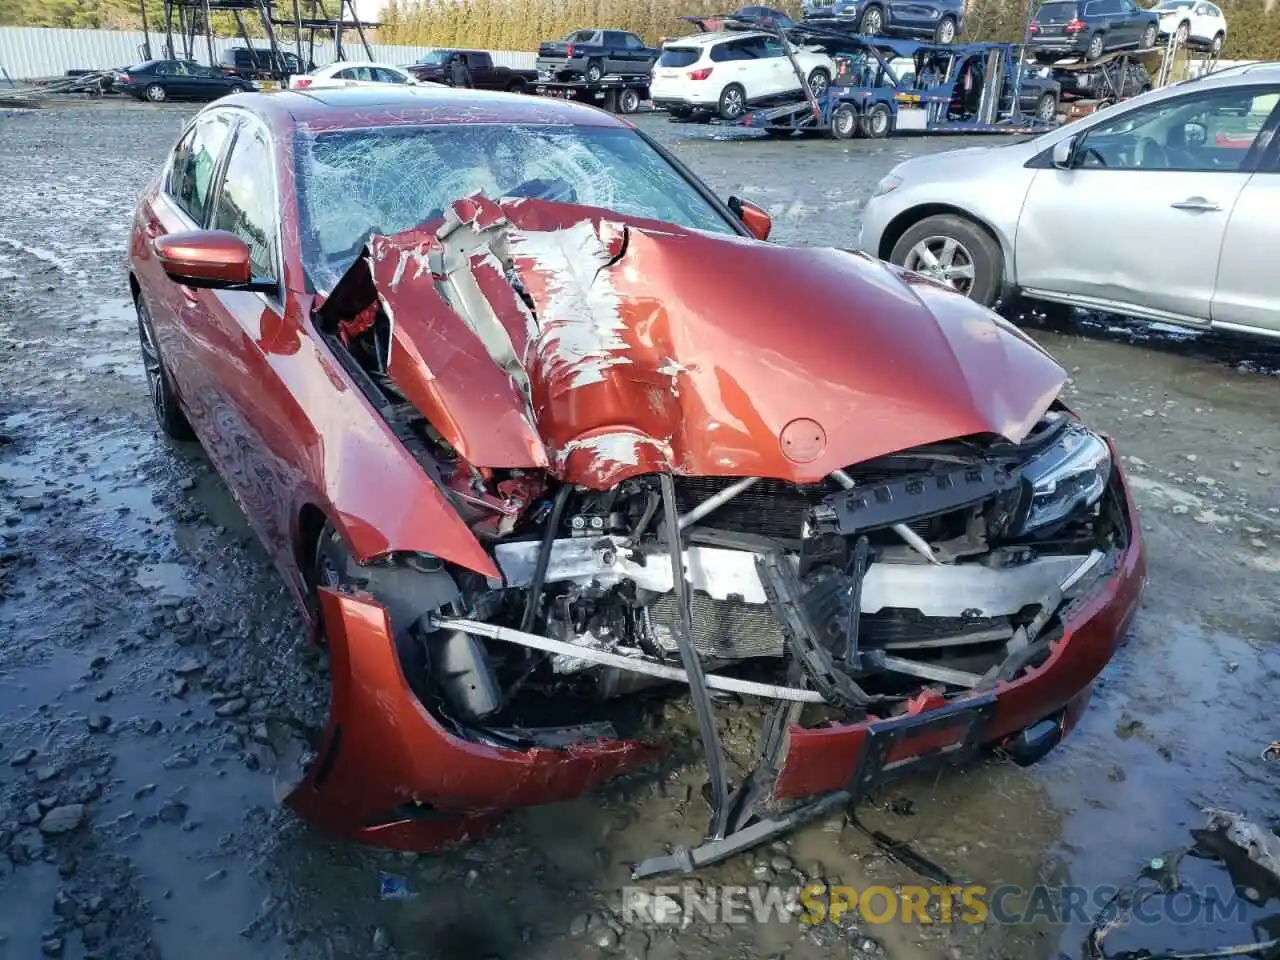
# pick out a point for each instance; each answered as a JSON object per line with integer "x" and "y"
{"x": 183, "y": 203}
{"x": 615, "y": 57}
{"x": 1203, "y": 23}
{"x": 239, "y": 333}
{"x": 775, "y": 67}
{"x": 1248, "y": 285}
{"x": 205, "y": 82}
{"x": 1140, "y": 225}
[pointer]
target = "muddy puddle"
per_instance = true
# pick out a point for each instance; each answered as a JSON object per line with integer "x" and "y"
{"x": 153, "y": 668}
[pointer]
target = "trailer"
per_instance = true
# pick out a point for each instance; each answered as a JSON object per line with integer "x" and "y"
{"x": 948, "y": 89}
{"x": 614, "y": 93}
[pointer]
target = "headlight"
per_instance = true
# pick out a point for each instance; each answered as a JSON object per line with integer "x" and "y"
{"x": 886, "y": 185}
{"x": 1071, "y": 474}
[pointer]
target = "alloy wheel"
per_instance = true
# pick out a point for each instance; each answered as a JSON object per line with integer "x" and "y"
{"x": 943, "y": 259}
{"x": 946, "y": 31}
{"x": 151, "y": 366}
{"x": 818, "y": 83}
{"x": 872, "y": 22}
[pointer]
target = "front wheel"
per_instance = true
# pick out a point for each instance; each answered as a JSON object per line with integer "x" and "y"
{"x": 595, "y": 70}
{"x": 1184, "y": 31}
{"x": 163, "y": 400}
{"x": 945, "y": 32}
{"x": 1216, "y": 46}
{"x": 871, "y": 23}
{"x": 1148, "y": 37}
{"x": 845, "y": 122}
{"x": 1097, "y": 43}
{"x": 954, "y": 251}
{"x": 733, "y": 102}
{"x": 628, "y": 101}
{"x": 236, "y": 88}
{"x": 1047, "y": 108}
{"x": 156, "y": 93}
{"x": 877, "y": 122}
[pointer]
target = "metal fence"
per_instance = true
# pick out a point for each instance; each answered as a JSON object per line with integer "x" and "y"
{"x": 30, "y": 52}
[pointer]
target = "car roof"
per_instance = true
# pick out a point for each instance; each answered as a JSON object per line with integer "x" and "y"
{"x": 347, "y": 108}
{"x": 708, "y": 39}
{"x": 344, "y": 64}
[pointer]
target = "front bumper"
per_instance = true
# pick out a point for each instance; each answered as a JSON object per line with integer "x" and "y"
{"x": 390, "y": 774}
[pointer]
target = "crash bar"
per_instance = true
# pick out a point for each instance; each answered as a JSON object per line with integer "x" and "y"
{"x": 715, "y": 682}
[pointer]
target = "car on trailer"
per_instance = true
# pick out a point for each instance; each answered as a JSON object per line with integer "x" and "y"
{"x": 522, "y": 413}
{"x": 947, "y": 90}
{"x": 725, "y": 73}
{"x": 261, "y": 63}
{"x": 940, "y": 21}
{"x": 594, "y": 54}
{"x": 1091, "y": 27}
{"x": 1197, "y": 23}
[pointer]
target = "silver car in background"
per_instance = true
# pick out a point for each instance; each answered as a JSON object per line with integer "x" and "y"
{"x": 1164, "y": 207}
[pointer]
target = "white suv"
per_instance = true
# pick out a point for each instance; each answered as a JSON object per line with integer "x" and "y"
{"x": 725, "y": 73}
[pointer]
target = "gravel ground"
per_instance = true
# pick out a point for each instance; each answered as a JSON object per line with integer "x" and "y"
{"x": 152, "y": 668}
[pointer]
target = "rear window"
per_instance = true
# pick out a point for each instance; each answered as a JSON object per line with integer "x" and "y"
{"x": 1057, "y": 13}
{"x": 679, "y": 56}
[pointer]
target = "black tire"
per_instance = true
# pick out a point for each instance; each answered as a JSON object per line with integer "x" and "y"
{"x": 871, "y": 23}
{"x": 236, "y": 88}
{"x": 1148, "y": 37}
{"x": 979, "y": 249}
{"x": 1047, "y": 108}
{"x": 945, "y": 31}
{"x": 733, "y": 102}
{"x": 1216, "y": 46}
{"x": 1097, "y": 45}
{"x": 628, "y": 100}
{"x": 819, "y": 82}
{"x": 156, "y": 93}
{"x": 173, "y": 422}
{"x": 516, "y": 86}
{"x": 595, "y": 70}
{"x": 1183, "y": 32}
{"x": 845, "y": 122}
{"x": 877, "y": 122}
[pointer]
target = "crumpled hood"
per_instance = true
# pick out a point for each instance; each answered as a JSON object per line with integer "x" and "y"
{"x": 602, "y": 346}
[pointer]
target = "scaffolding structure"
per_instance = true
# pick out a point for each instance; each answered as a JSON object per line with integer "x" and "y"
{"x": 297, "y": 26}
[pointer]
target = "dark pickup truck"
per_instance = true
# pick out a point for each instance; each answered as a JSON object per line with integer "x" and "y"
{"x": 485, "y": 74}
{"x": 592, "y": 54}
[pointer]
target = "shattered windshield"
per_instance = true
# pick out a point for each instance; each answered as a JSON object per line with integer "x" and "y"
{"x": 389, "y": 179}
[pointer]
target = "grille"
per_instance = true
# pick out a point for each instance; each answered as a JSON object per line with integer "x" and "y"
{"x": 775, "y": 508}
{"x": 771, "y": 508}
{"x": 722, "y": 629}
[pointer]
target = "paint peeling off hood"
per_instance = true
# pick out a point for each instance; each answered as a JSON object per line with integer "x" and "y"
{"x": 606, "y": 346}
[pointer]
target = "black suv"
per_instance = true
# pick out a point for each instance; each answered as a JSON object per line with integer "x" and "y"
{"x": 257, "y": 63}
{"x": 1091, "y": 27}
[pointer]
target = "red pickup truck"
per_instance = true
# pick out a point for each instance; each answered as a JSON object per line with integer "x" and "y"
{"x": 485, "y": 75}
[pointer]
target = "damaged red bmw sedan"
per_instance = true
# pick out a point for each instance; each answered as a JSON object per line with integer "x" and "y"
{"x": 540, "y": 432}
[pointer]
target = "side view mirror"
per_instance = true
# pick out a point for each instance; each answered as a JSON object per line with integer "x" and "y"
{"x": 757, "y": 222}
{"x": 209, "y": 260}
{"x": 1064, "y": 153}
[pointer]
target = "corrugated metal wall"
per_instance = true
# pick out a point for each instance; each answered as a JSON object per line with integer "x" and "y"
{"x": 28, "y": 52}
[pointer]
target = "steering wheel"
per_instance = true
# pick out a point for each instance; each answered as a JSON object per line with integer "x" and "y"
{"x": 1096, "y": 154}
{"x": 1149, "y": 153}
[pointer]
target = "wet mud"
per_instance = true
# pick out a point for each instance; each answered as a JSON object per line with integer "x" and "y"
{"x": 154, "y": 676}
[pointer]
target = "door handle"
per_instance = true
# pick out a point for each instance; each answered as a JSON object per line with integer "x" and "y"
{"x": 1196, "y": 205}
